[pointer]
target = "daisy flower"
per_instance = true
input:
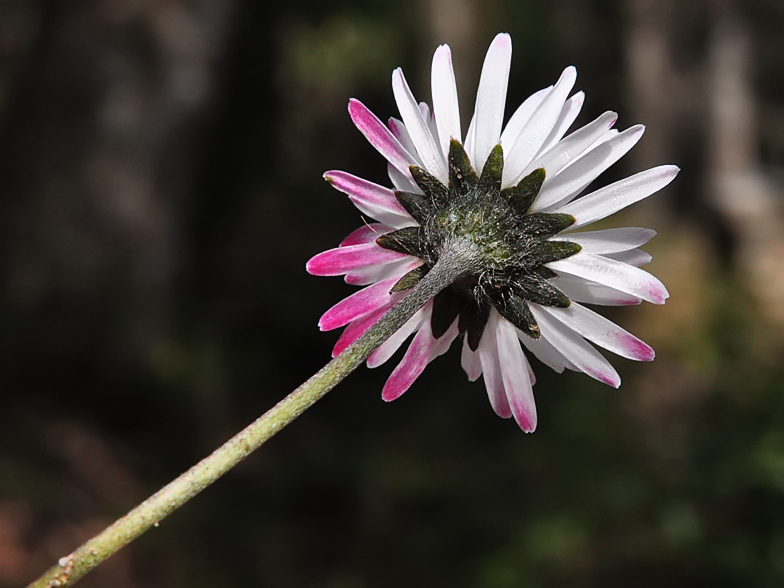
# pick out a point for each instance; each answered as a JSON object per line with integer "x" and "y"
{"x": 511, "y": 196}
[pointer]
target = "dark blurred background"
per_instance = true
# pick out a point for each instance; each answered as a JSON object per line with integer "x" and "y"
{"x": 160, "y": 172}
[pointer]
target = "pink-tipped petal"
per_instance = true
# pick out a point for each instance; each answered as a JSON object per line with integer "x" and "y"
{"x": 341, "y": 260}
{"x": 365, "y": 234}
{"x": 411, "y": 366}
{"x": 429, "y": 152}
{"x": 491, "y": 99}
{"x": 601, "y": 331}
{"x": 574, "y": 179}
{"x": 538, "y": 128}
{"x": 619, "y": 195}
{"x": 380, "y": 136}
{"x": 388, "y": 347}
{"x": 615, "y": 274}
{"x": 471, "y": 362}
{"x": 575, "y": 348}
{"x": 491, "y": 368}
{"x": 515, "y": 376}
{"x": 358, "y": 304}
{"x": 445, "y": 105}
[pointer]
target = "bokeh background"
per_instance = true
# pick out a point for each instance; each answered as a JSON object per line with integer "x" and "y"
{"x": 160, "y": 172}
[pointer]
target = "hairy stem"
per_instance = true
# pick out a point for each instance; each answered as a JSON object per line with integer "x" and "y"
{"x": 72, "y": 567}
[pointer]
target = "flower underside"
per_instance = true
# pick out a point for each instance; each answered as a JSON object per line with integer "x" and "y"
{"x": 493, "y": 227}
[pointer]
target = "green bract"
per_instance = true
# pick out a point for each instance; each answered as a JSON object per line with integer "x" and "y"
{"x": 509, "y": 244}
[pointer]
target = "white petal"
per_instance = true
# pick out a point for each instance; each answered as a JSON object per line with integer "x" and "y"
{"x": 430, "y": 121}
{"x": 546, "y": 353}
{"x": 401, "y": 134}
{"x": 377, "y": 272}
{"x": 515, "y": 376}
{"x": 470, "y": 362}
{"x": 569, "y": 112}
{"x": 573, "y": 180}
{"x": 601, "y": 331}
{"x": 609, "y": 240}
{"x": 491, "y": 369}
{"x": 387, "y": 348}
{"x": 426, "y": 147}
{"x": 470, "y": 140}
{"x": 615, "y": 274}
{"x": 588, "y": 292}
{"x": 566, "y": 151}
{"x": 445, "y": 105}
{"x": 402, "y": 182}
{"x": 575, "y": 348}
{"x": 538, "y": 128}
{"x": 635, "y": 257}
{"x": 520, "y": 118}
{"x": 619, "y": 195}
{"x": 443, "y": 343}
{"x": 491, "y": 98}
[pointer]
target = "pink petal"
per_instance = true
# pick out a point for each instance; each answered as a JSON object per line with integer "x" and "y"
{"x": 470, "y": 362}
{"x": 341, "y": 260}
{"x": 356, "y": 329}
{"x": 380, "y": 137}
{"x": 358, "y": 304}
{"x": 373, "y": 200}
{"x": 515, "y": 376}
{"x": 411, "y": 366}
{"x": 388, "y": 348}
{"x": 365, "y": 234}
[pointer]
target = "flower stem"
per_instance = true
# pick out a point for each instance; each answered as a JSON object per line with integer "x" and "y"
{"x": 72, "y": 567}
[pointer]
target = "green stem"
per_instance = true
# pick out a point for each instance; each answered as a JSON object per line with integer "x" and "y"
{"x": 71, "y": 568}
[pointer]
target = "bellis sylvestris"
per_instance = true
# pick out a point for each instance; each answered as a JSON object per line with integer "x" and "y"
{"x": 512, "y": 192}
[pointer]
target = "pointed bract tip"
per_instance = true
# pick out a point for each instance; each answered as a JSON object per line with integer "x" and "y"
{"x": 329, "y": 177}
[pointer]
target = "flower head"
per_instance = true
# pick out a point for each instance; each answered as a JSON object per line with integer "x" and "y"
{"x": 507, "y": 197}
